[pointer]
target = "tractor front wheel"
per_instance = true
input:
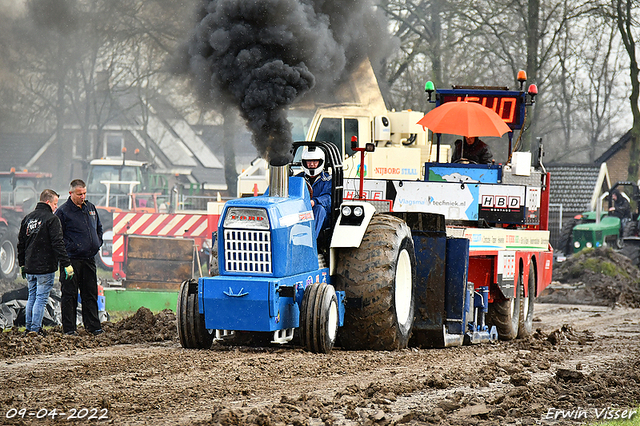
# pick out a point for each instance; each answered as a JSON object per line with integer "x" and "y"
{"x": 378, "y": 278}
{"x": 191, "y": 329}
{"x": 319, "y": 318}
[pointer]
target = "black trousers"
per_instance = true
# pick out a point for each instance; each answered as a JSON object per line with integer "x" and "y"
{"x": 86, "y": 281}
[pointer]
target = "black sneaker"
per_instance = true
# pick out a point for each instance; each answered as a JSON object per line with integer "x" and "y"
{"x": 97, "y": 332}
{"x": 42, "y": 332}
{"x": 71, "y": 333}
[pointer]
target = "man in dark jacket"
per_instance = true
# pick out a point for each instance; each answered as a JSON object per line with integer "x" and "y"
{"x": 40, "y": 250}
{"x": 620, "y": 207}
{"x": 472, "y": 149}
{"x": 82, "y": 233}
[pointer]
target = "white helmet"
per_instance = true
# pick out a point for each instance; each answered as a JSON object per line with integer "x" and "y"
{"x": 312, "y": 153}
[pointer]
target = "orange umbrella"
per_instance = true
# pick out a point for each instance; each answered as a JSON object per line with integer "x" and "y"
{"x": 465, "y": 119}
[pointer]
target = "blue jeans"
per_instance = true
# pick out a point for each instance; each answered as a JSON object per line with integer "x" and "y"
{"x": 40, "y": 286}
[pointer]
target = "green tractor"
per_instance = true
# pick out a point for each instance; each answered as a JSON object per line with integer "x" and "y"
{"x": 600, "y": 228}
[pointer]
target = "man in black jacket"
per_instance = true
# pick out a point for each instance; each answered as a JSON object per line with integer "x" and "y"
{"x": 40, "y": 250}
{"x": 471, "y": 149}
{"x": 82, "y": 233}
{"x": 620, "y": 207}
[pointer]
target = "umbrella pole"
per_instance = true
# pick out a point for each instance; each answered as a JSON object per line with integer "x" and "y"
{"x": 438, "y": 145}
{"x": 510, "y": 146}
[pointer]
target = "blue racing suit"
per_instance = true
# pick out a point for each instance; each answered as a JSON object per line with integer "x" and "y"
{"x": 321, "y": 187}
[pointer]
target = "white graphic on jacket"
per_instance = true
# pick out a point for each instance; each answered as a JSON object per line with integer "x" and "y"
{"x": 33, "y": 226}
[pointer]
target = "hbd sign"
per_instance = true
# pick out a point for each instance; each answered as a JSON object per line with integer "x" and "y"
{"x": 500, "y": 202}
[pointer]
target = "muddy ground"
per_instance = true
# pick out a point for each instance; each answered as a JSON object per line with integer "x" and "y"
{"x": 583, "y": 361}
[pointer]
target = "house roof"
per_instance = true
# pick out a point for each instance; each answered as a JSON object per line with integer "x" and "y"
{"x": 613, "y": 149}
{"x": 16, "y": 149}
{"x": 573, "y": 185}
{"x": 176, "y": 145}
{"x": 244, "y": 150}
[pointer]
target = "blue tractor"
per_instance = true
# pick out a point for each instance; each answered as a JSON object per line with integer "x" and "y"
{"x": 367, "y": 282}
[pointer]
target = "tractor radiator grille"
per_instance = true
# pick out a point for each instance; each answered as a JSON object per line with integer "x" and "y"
{"x": 247, "y": 251}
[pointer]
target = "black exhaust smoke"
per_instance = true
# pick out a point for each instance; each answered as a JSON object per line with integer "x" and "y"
{"x": 260, "y": 56}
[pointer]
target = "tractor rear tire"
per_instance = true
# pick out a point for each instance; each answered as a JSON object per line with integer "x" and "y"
{"x": 379, "y": 276}
{"x": 631, "y": 250}
{"x": 191, "y": 329}
{"x": 565, "y": 243}
{"x": 505, "y": 313}
{"x": 319, "y": 318}
{"x": 525, "y": 324}
{"x": 630, "y": 229}
{"x": 8, "y": 253}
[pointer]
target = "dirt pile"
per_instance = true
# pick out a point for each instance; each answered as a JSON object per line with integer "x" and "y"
{"x": 142, "y": 327}
{"x": 595, "y": 277}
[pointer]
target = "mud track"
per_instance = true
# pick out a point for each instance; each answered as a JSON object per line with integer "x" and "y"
{"x": 592, "y": 364}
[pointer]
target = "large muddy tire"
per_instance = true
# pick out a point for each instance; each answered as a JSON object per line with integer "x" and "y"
{"x": 565, "y": 243}
{"x": 191, "y": 330}
{"x": 379, "y": 277}
{"x": 8, "y": 253}
{"x": 505, "y": 314}
{"x": 319, "y": 318}
{"x": 630, "y": 229}
{"x": 631, "y": 250}
{"x": 525, "y": 324}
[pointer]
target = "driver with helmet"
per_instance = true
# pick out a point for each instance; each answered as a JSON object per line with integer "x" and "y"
{"x": 319, "y": 183}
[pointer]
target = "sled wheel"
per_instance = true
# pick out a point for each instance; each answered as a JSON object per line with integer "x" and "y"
{"x": 505, "y": 313}
{"x": 8, "y": 253}
{"x": 379, "y": 276}
{"x": 565, "y": 243}
{"x": 319, "y": 318}
{"x": 191, "y": 330}
{"x": 525, "y": 324}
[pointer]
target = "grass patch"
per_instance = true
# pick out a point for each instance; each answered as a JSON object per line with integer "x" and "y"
{"x": 633, "y": 421}
{"x": 599, "y": 265}
{"x": 604, "y": 267}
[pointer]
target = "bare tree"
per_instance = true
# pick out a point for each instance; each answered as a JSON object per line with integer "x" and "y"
{"x": 623, "y": 14}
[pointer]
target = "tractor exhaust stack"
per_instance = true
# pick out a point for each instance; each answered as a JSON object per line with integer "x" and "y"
{"x": 279, "y": 178}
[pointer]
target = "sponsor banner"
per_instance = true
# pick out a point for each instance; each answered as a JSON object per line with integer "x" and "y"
{"x": 373, "y": 189}
{"x": 453, "y": 200}
{"x": 488, "y": 239}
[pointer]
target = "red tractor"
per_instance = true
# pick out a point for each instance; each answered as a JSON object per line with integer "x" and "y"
{"x": 19, "y": 193}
